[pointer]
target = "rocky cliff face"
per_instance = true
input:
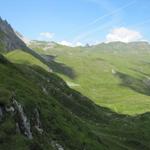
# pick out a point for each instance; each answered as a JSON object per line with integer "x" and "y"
{"x": 8, "y": 38}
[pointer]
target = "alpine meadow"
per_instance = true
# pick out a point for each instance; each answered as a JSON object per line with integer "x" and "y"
{"x": 75, "y": 75}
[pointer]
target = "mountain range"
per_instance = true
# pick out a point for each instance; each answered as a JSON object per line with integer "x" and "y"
{"x": 41, "y": 111}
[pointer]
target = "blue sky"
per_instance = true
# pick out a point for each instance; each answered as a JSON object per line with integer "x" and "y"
{"x": 79, "y": 21}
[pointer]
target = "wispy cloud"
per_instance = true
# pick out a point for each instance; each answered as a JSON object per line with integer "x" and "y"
{"x": 106, "y": 5}
{"x": 84, "y": 35}
{"x": 105, "y": 24}
{"x": 111, "y": 13}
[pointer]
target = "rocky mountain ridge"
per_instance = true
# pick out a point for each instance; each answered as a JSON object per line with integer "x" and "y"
{"x": 8, "y": 38}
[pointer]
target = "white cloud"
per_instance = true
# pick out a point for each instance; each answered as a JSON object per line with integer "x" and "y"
{"x": 66, "y": 43}
{"x": 123, "y": 35}
{"x": 46, "y": 35}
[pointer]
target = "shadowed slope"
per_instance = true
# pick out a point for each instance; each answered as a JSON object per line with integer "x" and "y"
{"x": 139, "y": 85}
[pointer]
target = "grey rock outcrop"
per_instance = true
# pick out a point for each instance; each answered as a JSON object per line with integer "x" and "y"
{"x": 37, "y": 121}
{"x": 56, "y": 145}
{"x": 24, "y": 123}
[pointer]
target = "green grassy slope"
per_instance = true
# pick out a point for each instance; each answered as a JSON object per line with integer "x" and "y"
{"x": 95, "y": 67}
{"x": 21, "y": 57}
{"x": 66, "y": 116}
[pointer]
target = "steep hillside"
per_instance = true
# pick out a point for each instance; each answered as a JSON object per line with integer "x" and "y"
{"x": 39, "y": 111}
{"x": 11, "y": 40}
{"x": 115, "y": 75}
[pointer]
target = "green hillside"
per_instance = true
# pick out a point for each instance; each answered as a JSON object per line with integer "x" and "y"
{"x": 115, "y": 75}
{"x": 39, "y": 111}
{"x": 22, "y": 57}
